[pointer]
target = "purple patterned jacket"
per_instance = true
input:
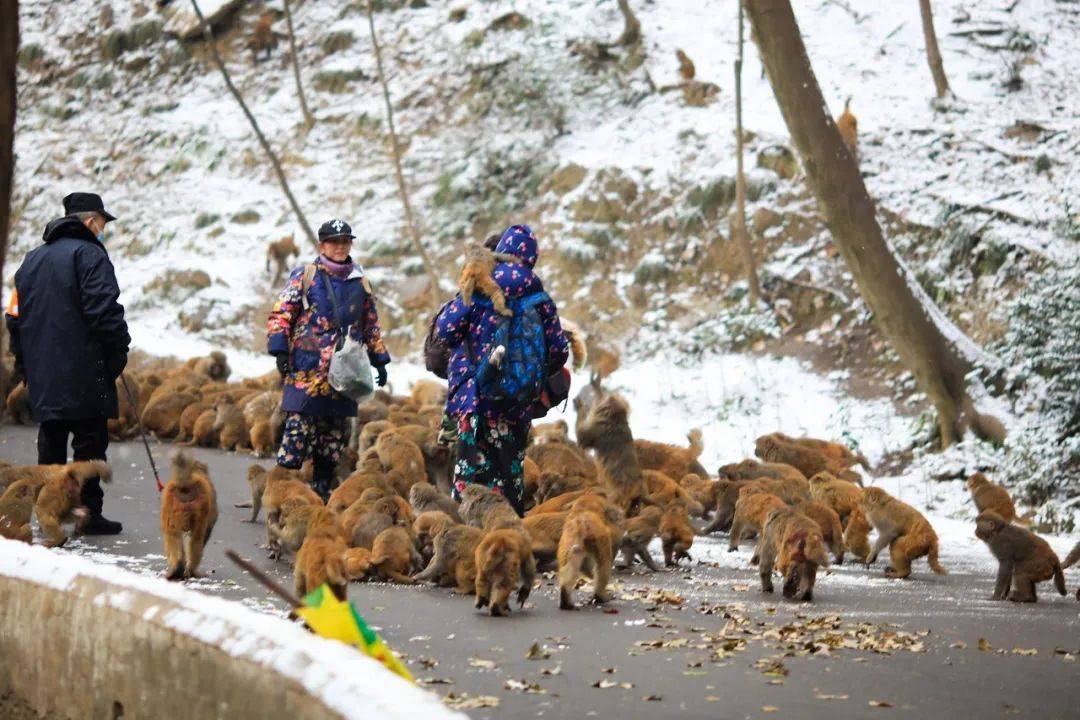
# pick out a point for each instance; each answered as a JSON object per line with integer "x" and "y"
{"x": 478, "y": 323}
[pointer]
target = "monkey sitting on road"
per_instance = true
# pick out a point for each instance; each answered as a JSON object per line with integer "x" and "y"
{"x": 640, "y": 530}
{"x": 393, "y": 555}
{"x": 426, "y": 526}
{"x": 453, "y": 563}
{"x": 1024, "y": 558}
{"x": 751, "y": 510}
{"x": 476, "y": 276}
{"x": 904, "y": 529}
{"x": 188, "y": 513}
{"x": 322, "y": 557}
{"x": 424, "y": 496}
{"x": 676, "y": 533}
{"x": 59, "y": 494}
{"x": 484, "y": 508}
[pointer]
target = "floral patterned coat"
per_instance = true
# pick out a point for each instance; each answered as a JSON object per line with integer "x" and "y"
{"x": 478, "y": 323}
{"x": 309, "y": 337}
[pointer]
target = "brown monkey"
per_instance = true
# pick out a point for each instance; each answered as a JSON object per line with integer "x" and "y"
{"x": 188, "y": 417}
{"x": 279, "y": 251}
{"x": 296, "y": 517}
{"x": 484, "y": 508}
{"x": 662, "y": 491}
{"x": 672, "y": 460}
{"x": 792, "y": 544}
{"x": 230, "y": 426}
{"x": 640, "y": 530}
{"x": 428, "y": 392}
{"x": 393, "y": 555}
{"x": 857, "y": 535}
{"x": 18, "y": 405}
{"x": 686, "y": 66}
{"x": 371, "y": 432}
{"x": 256, "y": 478}
{"x": 751, "y": 510}
{"x": 904, "y": 529}
{"x": 162, "y": 414}
{"x": 203, "y": 433}
{"x": 676, "y": 534}
{"x": 604, "y": 359}
{"x": 503, "y": 560}
{"x": 283, "y": 484}
{"x": 357, "y": 563}
{"x": 703, "y": 490}
{"x": 453, "y": 563}
{"x": 544, "y": 532}
{"x": 59, "y": 499}
{"x": 426, "y": 526}
{"x": 361, "y": 524}
{"x": 991, "y": 496}
{"x": 832, "y": 531}
{"x": 727, "y": 494}
{"x": 606, "y": 429}
{"x": 560, "y": 503}
{"x": 587, "y": 546}
{"x": 352, "y": 487}
{"x": 751, "y": 469}
{"x": 806, "y": 460}
{"x": 396, "y": 452}
{"x": 126, "y": 424}
{"x": 552, "y": 485}
{"x": 848, "y": 125}
{"x": 424, "y": 496}
{"x": 831, "y": 450}
{"x": 552, "y": 432}
{"x": 263, "y": 39}
{"x": 264, "y": 438}
{"x": 188, "y": 513}
{"x": 322, "y": 557}
{"x": 214, "y": 366}
{"x": 565, "y": 459}
{"x": 476, "y": 276}
{"x": 842, "y": 496}
{"x": 16, "y": 507}
{"x": 579, "y": 351}
{"x": 1024, "y": 558}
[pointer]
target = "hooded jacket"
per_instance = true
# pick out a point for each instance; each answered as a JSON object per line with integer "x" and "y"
{"x": 67, "y": 326}
{"x": 478, "y": 323}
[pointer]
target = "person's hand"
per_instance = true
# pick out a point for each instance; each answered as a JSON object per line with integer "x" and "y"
{"x": 115, "y": 364}
{"x": 381, "y": 370}
{"x": 282, "y": 360}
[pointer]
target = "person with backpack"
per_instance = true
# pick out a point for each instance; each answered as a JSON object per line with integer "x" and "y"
{"x": 323, "y": 306}
{"x": 498, "y": 368}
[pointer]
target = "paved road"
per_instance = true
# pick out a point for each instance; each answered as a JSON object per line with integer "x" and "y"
{"x": 714, "y": 647}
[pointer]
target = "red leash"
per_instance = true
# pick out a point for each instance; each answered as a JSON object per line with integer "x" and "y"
{"x": 142, "y": 433}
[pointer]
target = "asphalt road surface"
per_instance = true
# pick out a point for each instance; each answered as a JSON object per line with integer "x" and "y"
{"x": 699, "y": 642}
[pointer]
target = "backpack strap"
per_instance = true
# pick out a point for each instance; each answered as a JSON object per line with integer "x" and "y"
{"x": 305, "y": 284}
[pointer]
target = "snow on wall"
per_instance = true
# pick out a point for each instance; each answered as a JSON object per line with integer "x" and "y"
{"x": 350, "y": 684}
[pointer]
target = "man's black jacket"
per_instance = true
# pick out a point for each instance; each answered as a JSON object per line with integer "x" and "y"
{"x": 68, "y": 332}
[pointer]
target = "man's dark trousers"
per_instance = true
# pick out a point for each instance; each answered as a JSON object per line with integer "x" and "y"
{"x": 90, "y": 440}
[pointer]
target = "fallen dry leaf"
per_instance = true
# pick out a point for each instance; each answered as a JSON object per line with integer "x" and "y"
{"x": 769, "y": 708}
{"x": 608, "y": 671}
{"x": 985, "y": 645}
{"x": 537, "y": 653}
{"x": 822, "y": 696}
{"x": 551, "y": 671}
{"x": 1025, "y": 651}
{"x": 711, "y": 698}
{"x": 464, "y": 702}
{"x": 481, "y": 663}
{"x": 746, "y": 588}
{"x": 604, "y": 684}
{"x": 959, "y": 645}
{"x": 435, "y": 681}
{"x": 652, "y": 698}
{"x": 524, "y": 686}
{"x": 880, "y": 704}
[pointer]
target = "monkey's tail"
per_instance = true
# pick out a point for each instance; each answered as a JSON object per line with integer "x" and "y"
{"x": 1072, "y": 558}
{"x": 1059, "y": 579}
{"x": 697, "y": 445}
{"x": 577, "y": 342}
{"x": 932, "y": 558}
{"x": 847, "y": 103}
{"x": 84, "y": 470}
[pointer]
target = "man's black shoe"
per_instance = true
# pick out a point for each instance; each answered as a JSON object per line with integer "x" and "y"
{"x": 98, "y": 525}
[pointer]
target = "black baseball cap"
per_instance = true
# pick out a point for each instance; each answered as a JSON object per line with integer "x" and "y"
{"x": 335, "y": 229}
{"x": 85, "y": 202}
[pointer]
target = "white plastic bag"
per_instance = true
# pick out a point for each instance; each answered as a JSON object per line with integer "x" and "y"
{"x": 350, "y": 371}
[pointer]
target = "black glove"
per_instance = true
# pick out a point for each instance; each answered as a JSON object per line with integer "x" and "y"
{"x": 282, "y": 360}
{"x": 115, "y": 364}
{"x": 381, "y": 371}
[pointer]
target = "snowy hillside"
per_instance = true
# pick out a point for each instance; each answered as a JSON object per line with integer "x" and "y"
{"x": 627, "y": 185}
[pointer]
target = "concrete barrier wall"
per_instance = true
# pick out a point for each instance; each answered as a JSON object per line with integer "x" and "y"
{"x": 84, "y": 641}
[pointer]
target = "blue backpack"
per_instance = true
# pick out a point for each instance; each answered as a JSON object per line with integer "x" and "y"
{"x": 519, "y": 377}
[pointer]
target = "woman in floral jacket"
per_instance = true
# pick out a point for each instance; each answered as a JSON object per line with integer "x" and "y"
{"x": 492, "y": 436}
{"x": 302, "y": 333}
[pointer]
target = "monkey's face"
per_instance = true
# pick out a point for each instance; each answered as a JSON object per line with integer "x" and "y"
{"x": 872, "y": 498}
{"x": 976, "y": 480}
{"x": 988, "y": 524}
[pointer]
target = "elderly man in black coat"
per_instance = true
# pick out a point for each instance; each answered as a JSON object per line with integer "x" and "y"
{"x": 70, "y": 341}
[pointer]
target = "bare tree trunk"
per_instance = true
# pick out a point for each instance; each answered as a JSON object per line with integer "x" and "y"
{"x": 309, "y": 120}
{"x": 631, "y": 34}
{"x": 300, "y": 218}
{"x": 9, "y": 58}
{"x": 933, "y": 349}
{"x": 395, "y": 156}
{"x": 739, "y": 224}
{"x": 933, "y": 54}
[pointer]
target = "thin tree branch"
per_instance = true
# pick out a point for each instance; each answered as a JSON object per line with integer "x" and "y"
{"x": 309, "y": 120}
{"x": 208, "y": 35}
{"x": 739, "y": 225}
